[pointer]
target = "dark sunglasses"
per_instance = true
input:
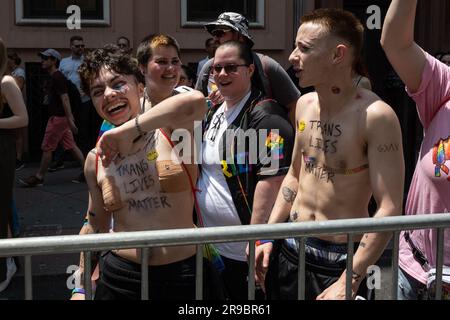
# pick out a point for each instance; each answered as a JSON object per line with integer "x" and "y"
{"x": 231, "y": 68}
{"x": 219, "y": 33}
{"x": 80, "y": 46}
{"x": 44, "y": 58}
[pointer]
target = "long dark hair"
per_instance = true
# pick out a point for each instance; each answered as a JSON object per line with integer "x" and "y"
{"x": 3, "y": 59}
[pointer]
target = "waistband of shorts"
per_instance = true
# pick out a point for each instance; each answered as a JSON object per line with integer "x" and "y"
{"x": 136, "y": 266}
{"x": 329, "y": 246}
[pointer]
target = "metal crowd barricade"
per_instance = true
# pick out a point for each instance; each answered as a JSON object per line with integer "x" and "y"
{"x": 29, "y": 247}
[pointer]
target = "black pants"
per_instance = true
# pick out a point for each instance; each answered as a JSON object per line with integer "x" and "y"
{"x": 321, "y": 270}
{"x": 88, "y": 123}
{"x": 120, "y": 279}
{"x": 235, "y": 279}
{"x": 7, "y": 171}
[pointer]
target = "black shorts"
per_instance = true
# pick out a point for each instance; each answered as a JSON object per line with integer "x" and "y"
{"x": 324, "y": 263}
{"x": 120, "y": 279}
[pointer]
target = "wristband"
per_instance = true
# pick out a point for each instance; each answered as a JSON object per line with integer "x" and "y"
{"x": 260, "y": 242}
{"x": 138, "y": 127}
{"x": 78, "y": 290}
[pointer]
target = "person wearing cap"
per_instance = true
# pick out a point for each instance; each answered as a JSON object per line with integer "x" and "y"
{"x": 269, "y": 76}
{"x": 86, "y": 118}
{"x": 61, "y": 124}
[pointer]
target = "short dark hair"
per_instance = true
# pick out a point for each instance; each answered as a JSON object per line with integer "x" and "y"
{"x": 207, "y": 41}
{"x": 15, "y": 57}
{"x": 76, "y": 38}
{"x": 189, "y": 72}
{"x": 111, "y": 57}
{"x": 57, "y": 62}
{"x": 343, "y": 24}
{"x": 149, "y": 43}
{"x": 124, "y": 38}
{"x": 245, "y": 52}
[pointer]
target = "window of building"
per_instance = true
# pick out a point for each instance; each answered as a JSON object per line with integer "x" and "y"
{"x": 195, "y": 13}
{"x": 93, "y": 12}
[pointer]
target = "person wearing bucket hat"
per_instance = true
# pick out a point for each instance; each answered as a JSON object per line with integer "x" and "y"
{"x": 234, "y": 21}
{"x": 269, "y": 76}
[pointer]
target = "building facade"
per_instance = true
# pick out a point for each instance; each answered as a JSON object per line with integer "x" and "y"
{"x": 29, "y": 26}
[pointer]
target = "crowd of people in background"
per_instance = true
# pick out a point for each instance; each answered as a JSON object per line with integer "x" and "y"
{"x": 336, "y": 145}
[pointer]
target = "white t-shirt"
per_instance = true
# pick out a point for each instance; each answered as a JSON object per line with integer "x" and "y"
{"x": 215, "y": 200}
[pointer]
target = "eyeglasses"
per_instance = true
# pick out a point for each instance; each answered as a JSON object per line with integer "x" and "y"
{"x": 79, "y": 46}
{"x": 231, "y": 68}
{"x": 219, "y": 33}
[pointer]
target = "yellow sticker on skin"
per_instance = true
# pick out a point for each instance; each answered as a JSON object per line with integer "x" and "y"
{"x": 301, "y": 126}
{"x": 152, "y": 155}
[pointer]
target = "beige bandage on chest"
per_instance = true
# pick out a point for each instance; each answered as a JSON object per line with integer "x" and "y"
{"x": 111, "y": 194}
{"x": 172, "y": 177}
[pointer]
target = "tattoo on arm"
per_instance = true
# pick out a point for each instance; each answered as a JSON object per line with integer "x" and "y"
{"x": 362, "y": 244}
{"x": 294, "y": 216}
{"x": 388, "y": 147}
{"x": 289, "y": 195}
{"x": 356, "y": 276}
{"x": 91, "y": 214}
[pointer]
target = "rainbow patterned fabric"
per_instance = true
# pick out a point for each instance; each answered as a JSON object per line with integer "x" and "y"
{"x": 106, "y": 126}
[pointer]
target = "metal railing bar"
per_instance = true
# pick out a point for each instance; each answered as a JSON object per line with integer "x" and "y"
{"x": 157, "y": 238}
{"x": 301, "y": 268}
{"x": 349, "y": 270}
{"x": 199, "y": 273}
{"x": 87, "y": 275}
{"x": 251, "y": 271}
{"x": 395, "y": 251}
{"x": 439, "y": 262}
{"x": 28, "y": 279}
{"x": 144, "y": 274}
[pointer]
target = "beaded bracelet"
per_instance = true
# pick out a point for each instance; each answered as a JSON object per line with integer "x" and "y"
{"x": 260, "y": 242}
{"x": 78, "y": 290}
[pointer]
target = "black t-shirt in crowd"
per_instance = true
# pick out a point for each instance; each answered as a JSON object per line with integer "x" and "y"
{"x": 57, "y": 86}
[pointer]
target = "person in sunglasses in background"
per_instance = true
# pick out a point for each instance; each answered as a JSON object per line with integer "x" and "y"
{"x": 238, "y": 183}
{"x": 269, "y": 76}
{"x": 85, "y": 116}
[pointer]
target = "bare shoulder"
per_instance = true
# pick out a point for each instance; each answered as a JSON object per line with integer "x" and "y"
{"x": 380, "y": 117}
{"x": 90, "y": 164}
{"x": 8, "y": 82}
{"x": 305, "y": 101}
{"x": 375, "y": 106}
